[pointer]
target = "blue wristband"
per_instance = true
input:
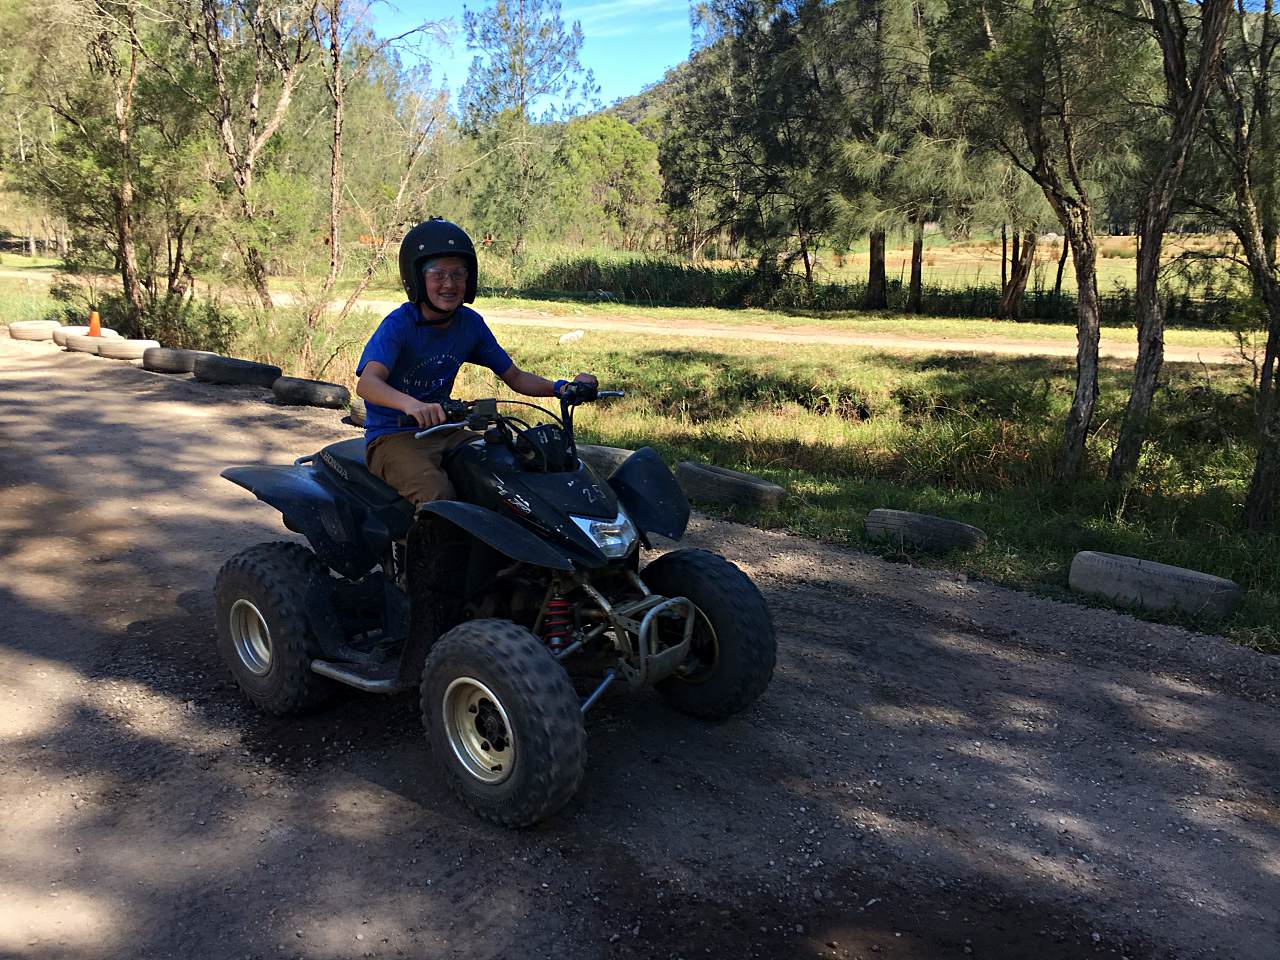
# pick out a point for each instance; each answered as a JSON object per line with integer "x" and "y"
{"x": 559, "y": 386}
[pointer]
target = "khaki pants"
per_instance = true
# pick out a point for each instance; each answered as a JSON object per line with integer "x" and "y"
{"x": 412, "y": 466}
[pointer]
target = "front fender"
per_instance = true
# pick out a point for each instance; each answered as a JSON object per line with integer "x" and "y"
{"x": 504, "y": 535}
{"x": 649, "y": 493}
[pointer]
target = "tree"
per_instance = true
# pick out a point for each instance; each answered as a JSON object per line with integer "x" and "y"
{"x": 1237, "y": 182}
{"x": 1048, "y": 85}
{"x": 1190, "y": 47}
{"x": 752, "y": 140}
{"x": 350, "y": 49}
{"x": 245, "y": 64}
{"x": 526, "y": 59}
{"x": 611, "y": 183}
{"x": 896, "y": 154}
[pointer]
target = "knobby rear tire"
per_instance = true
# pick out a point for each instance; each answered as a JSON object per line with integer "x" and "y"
{"x": 288, "y": 586}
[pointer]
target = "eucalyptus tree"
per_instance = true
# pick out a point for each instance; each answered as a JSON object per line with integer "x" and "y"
{"x": 1190, "y": 38}
{"x": 526, "y": 69}
{"x": 751, "y": 138}
{"x": 1237, "y": 182}
{"x": 87, "y": 67}
{"x": 1049, "y": 84}
{"x": 343, "y": 30}
{"x": 897, "y": 147}
{"x": 241, "y": 64}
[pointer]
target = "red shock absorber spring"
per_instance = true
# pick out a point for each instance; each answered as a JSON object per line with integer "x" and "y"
{"x": 556, "y": 623}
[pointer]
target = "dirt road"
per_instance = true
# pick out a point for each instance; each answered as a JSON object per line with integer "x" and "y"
{"x": 940, "y": 769}
{"x": 634, "y": 320}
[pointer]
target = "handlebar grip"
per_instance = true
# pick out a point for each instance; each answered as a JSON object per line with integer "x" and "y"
{"x": 579, "y": 392}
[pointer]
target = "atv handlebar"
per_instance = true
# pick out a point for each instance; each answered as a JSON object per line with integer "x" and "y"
{"x": 459, "y": 413}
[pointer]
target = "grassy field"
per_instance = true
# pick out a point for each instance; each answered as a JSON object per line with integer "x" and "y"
{"x": 970, "y": 437}
{"x": 840, "y": 321}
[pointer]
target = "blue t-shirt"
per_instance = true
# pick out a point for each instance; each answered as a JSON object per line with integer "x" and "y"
{"x": 424, "y": 360}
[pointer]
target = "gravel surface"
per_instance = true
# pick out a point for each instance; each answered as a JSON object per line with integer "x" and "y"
{"x": 941, "y": 768}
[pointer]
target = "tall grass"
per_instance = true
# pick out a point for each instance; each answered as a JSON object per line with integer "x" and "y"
{"x": 19, "y": 303}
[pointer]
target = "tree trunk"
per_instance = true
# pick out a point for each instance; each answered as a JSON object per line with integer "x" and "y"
{"x": 1084, "y": 252}
{"x": 1186, "y": 102}
{"x": 915, "y": 293}
{"x": 877, "y": 295}
{"x": 337, "y": 88}
{"x": 1262, "y": 504}
{"x": 1004, "y": 259}
{"x": 1023, "y": 260}
{"x": 1062, "y": 262}
{"x": 256, "y": 270}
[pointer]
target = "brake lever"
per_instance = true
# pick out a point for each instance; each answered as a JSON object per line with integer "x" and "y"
{"x": 438, "y": 427}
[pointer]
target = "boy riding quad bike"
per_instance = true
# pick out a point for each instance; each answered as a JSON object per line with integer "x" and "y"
{"x": 492, "y": 604}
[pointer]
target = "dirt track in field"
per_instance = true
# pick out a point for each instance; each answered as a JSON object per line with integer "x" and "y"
{"x": 633, "y": 320}
{"x": 940, "y": 769}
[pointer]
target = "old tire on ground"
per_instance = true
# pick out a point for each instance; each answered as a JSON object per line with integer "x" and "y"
{"x": 266, "y": 600}
{"x": 727, "y": 488}
{"x": 603, "y": 460}
{"x": 311, "y": 393}
{"x": 734, "y": 648}
{"x": 122, "y": 349}
{"x": 235, "y": 372}
{"x": 33, "y": 329}
{"x": 85, "y": 343}
{"x": 1128, "y": 581}
{"x": 925, "y": 532}
{"x": 169, "y": 360}
{"x": 60, "y": 334}
{"x": 504, "y": 722}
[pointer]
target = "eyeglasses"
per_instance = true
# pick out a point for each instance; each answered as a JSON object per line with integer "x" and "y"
{"x": 440, "y": 276}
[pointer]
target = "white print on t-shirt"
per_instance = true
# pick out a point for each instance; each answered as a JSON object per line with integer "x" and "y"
{"x": 425, "y": 377}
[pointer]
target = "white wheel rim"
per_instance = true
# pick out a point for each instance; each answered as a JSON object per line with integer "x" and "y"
{"x": 478, "y": 730}
{"x": 251, "y": 637}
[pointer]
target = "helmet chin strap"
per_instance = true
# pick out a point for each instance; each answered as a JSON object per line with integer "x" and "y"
{"x": 435, "y": 323}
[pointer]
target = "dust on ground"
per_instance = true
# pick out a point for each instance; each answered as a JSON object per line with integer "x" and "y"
{"x": 941, "y": 768}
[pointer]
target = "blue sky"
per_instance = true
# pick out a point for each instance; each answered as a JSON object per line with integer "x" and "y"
{"x": 627, "y": 43}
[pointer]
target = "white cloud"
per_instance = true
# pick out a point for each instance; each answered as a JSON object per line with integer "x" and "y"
{"x": 594, "y": 14}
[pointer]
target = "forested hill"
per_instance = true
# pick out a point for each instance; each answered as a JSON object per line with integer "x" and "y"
{"x": 648, "y": 106}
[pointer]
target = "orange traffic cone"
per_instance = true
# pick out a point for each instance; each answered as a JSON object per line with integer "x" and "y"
{"x": 95, "y": 323}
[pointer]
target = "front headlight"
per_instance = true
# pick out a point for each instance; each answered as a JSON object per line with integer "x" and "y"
{"x": 615, "y": 537}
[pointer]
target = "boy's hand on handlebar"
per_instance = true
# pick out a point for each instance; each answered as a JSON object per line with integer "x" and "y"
{"x": 581, "y": 389}
{"x": 426, "y": 414}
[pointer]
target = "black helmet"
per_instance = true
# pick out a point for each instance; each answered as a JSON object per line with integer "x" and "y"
{"x": 436, "y": 237}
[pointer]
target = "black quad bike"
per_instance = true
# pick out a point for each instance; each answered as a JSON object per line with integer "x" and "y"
{"x": 511, "y": 608}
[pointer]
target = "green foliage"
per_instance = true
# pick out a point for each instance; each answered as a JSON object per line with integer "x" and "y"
{"x": 611, "y": 182}
{"x": 526, "y": 57}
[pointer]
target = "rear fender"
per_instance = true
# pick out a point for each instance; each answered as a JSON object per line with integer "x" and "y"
{"x": 310, "y": 508}
{"x": 649, "y": 493}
